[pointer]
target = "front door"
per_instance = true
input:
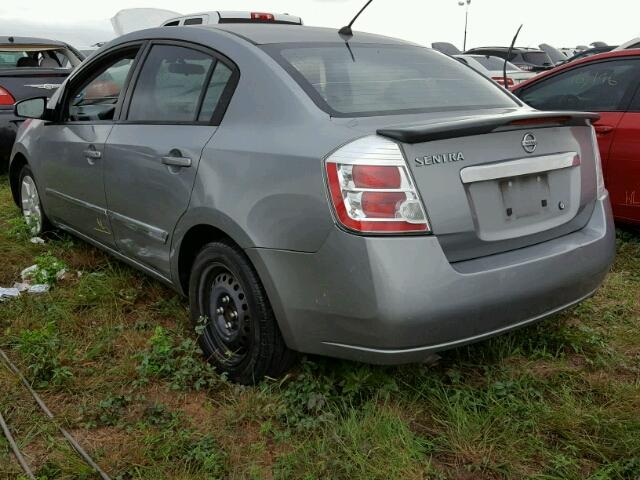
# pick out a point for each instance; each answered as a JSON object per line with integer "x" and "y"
{"x": 73, "y": 148}
{"x": 152, "y": 156}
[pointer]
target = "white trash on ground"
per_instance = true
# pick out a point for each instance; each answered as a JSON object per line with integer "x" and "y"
{"x": 8, "y": 293}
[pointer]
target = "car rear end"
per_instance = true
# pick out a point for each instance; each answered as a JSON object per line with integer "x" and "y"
{"x": 459, "y": 213}
{"x": 27, "y": 70}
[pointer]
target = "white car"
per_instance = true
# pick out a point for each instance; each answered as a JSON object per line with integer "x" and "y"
{"x": 215, "y": 17}
{"x": 633, "y": 43}
{"x": 493, "y": 67}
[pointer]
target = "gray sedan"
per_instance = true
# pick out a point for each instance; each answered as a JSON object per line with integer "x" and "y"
{"x": 358, "y": 197}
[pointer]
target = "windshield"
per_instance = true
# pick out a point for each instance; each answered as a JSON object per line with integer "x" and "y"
{"x": 495, "y": 63}
{"x": 28, "y": 57}
{"x": 366, "y": 80}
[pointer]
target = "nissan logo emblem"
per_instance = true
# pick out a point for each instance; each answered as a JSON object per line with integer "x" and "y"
{"x": 529, "y": 143}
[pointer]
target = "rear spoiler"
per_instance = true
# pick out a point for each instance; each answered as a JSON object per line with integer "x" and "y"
{"x": 483, "y": 124}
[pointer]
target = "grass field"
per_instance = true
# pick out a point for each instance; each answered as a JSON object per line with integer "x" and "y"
{"x": 112, "y": 354}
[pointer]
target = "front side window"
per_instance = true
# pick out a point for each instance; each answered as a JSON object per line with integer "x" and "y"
{"x": 599, "y": 87}
{"x": 170, "y": 85}
{"x": 96, "y": 99}
{"x": 365, "y": 80}
{"x": 193, "y": 21}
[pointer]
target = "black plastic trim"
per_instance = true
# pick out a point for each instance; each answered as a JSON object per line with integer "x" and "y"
{"x": 481, "y": 125}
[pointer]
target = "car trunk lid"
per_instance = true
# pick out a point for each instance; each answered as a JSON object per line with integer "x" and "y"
{"x": 32, "y": 82}
{"x": 498, "y": 182}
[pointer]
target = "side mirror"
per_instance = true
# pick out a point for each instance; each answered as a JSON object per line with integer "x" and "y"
{"x": 32, "y": 108}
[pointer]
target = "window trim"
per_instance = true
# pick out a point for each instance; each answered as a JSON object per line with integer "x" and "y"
{"x": 225, "y": 98}
{"x": 77, "y": 78}
{"x": 273, "y": 50}
{"x": 627, "y": 98}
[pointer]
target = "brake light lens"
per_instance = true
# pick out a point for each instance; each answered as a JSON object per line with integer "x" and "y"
{"x": 500, "y": 81}
{"x": 601, "y": 189}
{"x": 371, "y": 189}
{"x": 262, "y": 17}
{"x": 6, "y": 98}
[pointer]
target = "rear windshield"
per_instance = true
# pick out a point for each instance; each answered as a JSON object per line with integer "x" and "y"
{"x": 537, "y": 58}
{"x": 366, "y": 80}
{"x": 37, "y": 58}
{"x": 495, "y": 63}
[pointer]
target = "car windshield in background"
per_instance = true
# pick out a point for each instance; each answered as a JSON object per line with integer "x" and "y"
{"x": 31, "y": 58}
{"x": 367, "y": 80}
{"x": 495, "y": 63}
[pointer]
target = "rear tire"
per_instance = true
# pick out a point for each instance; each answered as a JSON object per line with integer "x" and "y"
{"x": 30, "y": 203}
{"x": 240, "y": 335}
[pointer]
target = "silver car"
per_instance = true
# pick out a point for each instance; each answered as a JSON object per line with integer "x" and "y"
{"x": 358, "y": 197}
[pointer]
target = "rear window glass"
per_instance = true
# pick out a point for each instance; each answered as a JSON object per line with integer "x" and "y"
{"x": 494, "y": 63}
{"x": 537, "y": 58}
{"x": 366, "y": 80}
{"x": 33, "y": 58}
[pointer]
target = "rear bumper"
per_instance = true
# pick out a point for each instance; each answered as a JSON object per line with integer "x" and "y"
{"x": 396, "y": 300}
{"x": 8, "y": 131}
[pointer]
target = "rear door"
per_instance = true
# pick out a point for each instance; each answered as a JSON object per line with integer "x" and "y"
{"x": 72, "y": 149}
{"x": 605, "y": 87}
{"x": 623, "y": 173}
{"x": 152, "y": 155}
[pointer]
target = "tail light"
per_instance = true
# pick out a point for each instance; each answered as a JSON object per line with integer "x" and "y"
{"x": 600, "y": 186}
{"x": 6, "y": 98}
{"x": 371, "y": 189}
{"x": 500, "y": 80}
{"x": 262, "y": 17}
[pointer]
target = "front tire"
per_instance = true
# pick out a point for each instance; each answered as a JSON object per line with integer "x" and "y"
{"x": 238, "y": 332}
{"x": 30, "y": 203}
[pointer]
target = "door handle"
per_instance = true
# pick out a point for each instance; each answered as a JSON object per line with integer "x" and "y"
{"x": 603, "y": 129}
{"x": 180, "y": 162}
{"x": 92, "y": 155}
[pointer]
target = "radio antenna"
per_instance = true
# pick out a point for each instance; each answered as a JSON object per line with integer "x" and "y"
{"x": 506, "y": 60}
{"x": 346, "y": 31}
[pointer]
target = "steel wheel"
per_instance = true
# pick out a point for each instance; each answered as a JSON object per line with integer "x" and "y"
{"x": 229, "y": 327}
{"x": 30, "y": 202}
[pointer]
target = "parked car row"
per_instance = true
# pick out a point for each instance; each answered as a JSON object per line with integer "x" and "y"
{"x": 341, "y": 194}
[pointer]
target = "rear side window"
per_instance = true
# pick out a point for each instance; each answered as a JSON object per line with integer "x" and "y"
{"x": 193, "y": 21}
{"x": 219, "y": 81}
{"x": 175, "y": 23}
{"x": 170, "y": 85}
{"x": 598, "y": 87}
{"x": 366, "y": 80}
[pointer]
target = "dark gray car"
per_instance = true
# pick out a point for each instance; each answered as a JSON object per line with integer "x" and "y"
{"x": 368, "y": 199}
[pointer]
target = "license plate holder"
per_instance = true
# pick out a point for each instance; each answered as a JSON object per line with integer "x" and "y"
{"x": 525, "y": 196}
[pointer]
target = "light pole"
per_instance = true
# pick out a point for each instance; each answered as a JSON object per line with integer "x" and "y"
{"x": 464, "y": 3}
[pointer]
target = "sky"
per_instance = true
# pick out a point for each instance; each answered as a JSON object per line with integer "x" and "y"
{"x": 562, "y": 23}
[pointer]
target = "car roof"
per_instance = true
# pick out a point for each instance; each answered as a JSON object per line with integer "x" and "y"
{"x": 4, "y": 40}
{"x": 265, "y": 33}
{"x": 582, "y": 61}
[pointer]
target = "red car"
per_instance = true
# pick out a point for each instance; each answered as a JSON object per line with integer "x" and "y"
{"x": 609, "y": 84}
